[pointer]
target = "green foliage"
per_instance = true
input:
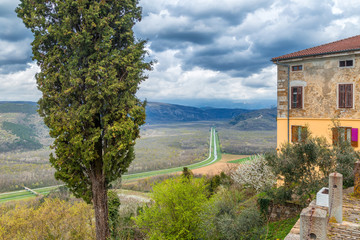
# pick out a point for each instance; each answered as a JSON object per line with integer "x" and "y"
{"x": 175, "y": 213}
{"x": 215, "y": 181}
{"x": 91, "y": 66}
{"x": 51, "y": 218}
{"x": 264, "y": 204}
{"x": 187, "y": 173}
{"x": 280, "y": 229}
{"x": 346, "y": 157}
{"x": 113, "y": 205}
{"x": 25, "y": 134}
{"x": 279, "y": 195}
{"x": 227, "y": 214}
{"x": 304, "y": 165}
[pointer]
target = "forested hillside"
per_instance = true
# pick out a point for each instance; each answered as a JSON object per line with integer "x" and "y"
{"x": 21, "y": 128}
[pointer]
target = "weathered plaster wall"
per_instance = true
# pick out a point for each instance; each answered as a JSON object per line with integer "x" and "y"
{"x": 321, "y": 75}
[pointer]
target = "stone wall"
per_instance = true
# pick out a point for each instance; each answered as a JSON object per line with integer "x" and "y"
{"x": 320, "y": 77}
{"x": 281, "y": 212}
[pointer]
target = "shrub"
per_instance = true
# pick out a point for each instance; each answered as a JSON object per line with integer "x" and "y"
{"x": 175, "y": 213}
{"x": 225, "y": 217}
{"x": 346, "y": 157}
{"x": 257, "y": 174}
{"x": 52, "y": 219}
{"x": 306, "y": 165}
{"x": 215, "y": 181}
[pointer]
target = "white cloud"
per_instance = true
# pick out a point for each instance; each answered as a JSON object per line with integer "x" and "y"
{"x": 205, "y": 48}
{"x": 172, "y": 82}
{"x": 20, "y": 86}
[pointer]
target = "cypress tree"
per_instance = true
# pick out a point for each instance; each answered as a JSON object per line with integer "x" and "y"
{"x": 91, "y": 66}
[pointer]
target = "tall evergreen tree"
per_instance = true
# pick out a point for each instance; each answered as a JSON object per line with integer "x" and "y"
{"x": 91, "y": 66}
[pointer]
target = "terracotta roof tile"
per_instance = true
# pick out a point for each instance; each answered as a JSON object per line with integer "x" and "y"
{"x": 344, "y": 45}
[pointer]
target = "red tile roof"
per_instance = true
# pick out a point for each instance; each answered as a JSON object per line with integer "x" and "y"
{"x": 344, "y": 45}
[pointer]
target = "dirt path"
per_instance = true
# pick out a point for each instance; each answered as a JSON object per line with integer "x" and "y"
{"x": 220, "y": 166}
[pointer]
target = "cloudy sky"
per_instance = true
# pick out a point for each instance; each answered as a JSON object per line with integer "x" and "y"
{"x": 206, "y": 49}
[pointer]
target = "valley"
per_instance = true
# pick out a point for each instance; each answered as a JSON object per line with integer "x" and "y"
{"x": 162, "y": 145}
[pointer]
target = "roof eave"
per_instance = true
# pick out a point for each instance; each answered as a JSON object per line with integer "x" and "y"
{"x": 313, "y": 55}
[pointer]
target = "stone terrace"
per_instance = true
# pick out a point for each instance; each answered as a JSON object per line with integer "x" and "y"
{"x": 348, "y": 229}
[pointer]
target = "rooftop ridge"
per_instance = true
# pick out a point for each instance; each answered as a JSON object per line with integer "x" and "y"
{"x": 342, "y": 45}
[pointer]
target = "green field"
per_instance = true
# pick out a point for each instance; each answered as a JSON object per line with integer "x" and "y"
{"x": 23, "y": 194}
{"x": 161, "y": 146}
{"x": 241, "y": 160}
{"x": 214, "y": 156}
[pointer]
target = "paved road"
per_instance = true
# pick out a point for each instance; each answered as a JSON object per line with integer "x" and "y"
{"x": 212, "y": 158}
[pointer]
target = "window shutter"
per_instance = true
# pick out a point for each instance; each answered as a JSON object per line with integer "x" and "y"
{"x": 335, "y": 136}
{"x": 299, "y": 97}
{"x": 349, "y": 96}
{"x": 294, "y": 133}
{"x": 292, "y": 98}
{"x": 341, "y": 95}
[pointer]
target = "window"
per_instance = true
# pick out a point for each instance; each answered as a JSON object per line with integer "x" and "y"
{"x": 345, "y": 96}
{"x": 296, "y": 97}
{"x": 296, "y": 68}
{"x": 346, "y": 63}
{"x": 297, "y": 133}
{"x": 340, "y": 134}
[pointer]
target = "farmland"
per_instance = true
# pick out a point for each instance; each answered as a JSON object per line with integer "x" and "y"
{"x": 161, "y": 146}
{"x": 25, "y": 142}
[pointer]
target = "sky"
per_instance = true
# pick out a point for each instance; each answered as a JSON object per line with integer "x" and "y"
{"x": 207, "y": 51}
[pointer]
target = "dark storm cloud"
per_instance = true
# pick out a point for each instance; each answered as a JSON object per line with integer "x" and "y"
{"x": 204, "y": 47}
{"x": 179, "y": 39}
{"x": 272, "y": 28}
{"x": 15, "y": 39}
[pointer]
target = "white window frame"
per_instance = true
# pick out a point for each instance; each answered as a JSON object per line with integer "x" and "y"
{"x": 302, "y": 67}
{"x": 298, "y": 83}
{"x": 348, "y": 59}
{"x": 337, "y": 95}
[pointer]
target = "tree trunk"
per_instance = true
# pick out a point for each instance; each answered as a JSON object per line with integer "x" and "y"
{"x": 101, "y": 208}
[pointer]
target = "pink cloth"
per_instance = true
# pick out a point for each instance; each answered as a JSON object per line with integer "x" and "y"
{"x": 354, "y": 134}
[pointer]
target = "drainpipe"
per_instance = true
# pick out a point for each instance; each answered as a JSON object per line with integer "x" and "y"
{"x": 288, "y": 108}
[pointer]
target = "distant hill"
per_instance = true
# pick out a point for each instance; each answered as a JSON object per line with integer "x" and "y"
{"x": 164, "y": 112}
{"x": 18, "y": 107}
{"x": 21, "y": 128}
{"x": 242, "y": 119}
{"x": 262, "y": 119}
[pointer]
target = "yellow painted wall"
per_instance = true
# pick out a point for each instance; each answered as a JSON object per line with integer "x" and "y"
{"x": 317, "y": 127}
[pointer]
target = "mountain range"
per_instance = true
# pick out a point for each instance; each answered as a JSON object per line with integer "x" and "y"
{"x": 22, "y": 128}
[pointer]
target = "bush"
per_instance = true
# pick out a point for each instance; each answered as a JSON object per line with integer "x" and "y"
{"x": 227, "y": 216}
{"x": 257, "y": 174}
{"x": 305, "y": 166}
{"x": 175, "y": 213}
{"x": 51, "y": 219}
{"x": 346, "y": 157}
{"x": 215, "y": 181}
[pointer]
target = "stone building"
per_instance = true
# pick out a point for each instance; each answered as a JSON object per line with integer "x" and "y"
{"x": 316, "y": 86}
